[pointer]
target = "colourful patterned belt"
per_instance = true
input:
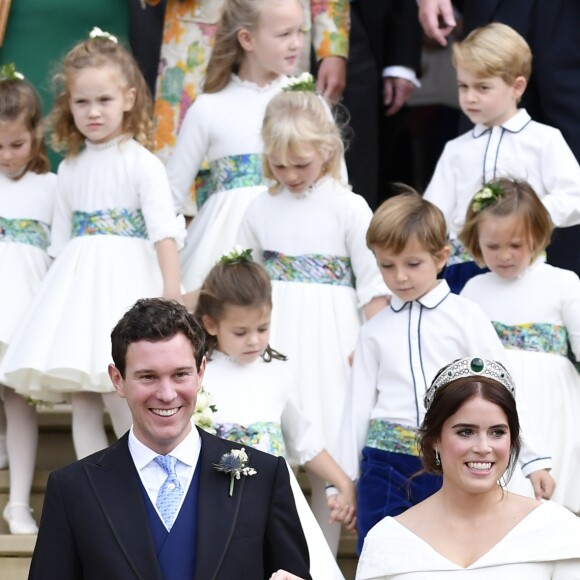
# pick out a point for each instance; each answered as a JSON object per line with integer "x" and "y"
{"x": 23, "y": 231}
{"x": 265, "y": 436}
{"x": 459, "y": 254}
{"x": 311, "y": 268}
{"x": 110, "y": 222}
{"x": 232, "y": 172}
{"x": 392, "y": 437}
{"x": 535, "y": 337}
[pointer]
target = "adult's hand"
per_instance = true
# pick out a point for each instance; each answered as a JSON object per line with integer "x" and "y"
{"x": 396, "y": 92}
{"x": 437, "y": 20}
{"x": 331, "y": 78}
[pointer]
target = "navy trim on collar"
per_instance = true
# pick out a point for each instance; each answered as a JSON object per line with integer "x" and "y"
{"x": 431, "y": 300}
{"x": 514, "y": 125}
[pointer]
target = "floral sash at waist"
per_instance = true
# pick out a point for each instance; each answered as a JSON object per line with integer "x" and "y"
{"x": 25, "y": 231}
{"x": 459, "y": 254}
{"x": 110, "y": 222}
{"x": 392, "y": 437}
{"x": 265, "y": 436}
{"x": 311, "y": 268}
{"x": 535, "y": 337}
{"x": 232, "y": 172}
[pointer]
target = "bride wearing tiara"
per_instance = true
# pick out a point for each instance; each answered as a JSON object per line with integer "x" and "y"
{"x": 473, "y": 528}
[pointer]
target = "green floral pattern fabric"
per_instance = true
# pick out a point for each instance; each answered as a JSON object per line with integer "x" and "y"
{"x": 230, "y": 173}
{"x": 266, "y": 436}
{"x": 392, "y": 437}
{"x": 25, "y": 231}
{"x": 110, "y": 222}
{"x": 535, "y": 337}
{"x": 458, "y": 254}
{"x": 310, "y": 268}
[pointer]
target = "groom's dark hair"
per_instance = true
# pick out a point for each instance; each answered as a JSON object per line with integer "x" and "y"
{"x": 154, "y": 320}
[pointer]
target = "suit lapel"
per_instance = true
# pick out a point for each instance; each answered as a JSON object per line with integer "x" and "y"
{"x": 217, "y": 512}
{"x": 115, "y": 482}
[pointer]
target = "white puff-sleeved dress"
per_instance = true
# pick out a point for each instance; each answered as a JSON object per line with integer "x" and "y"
{"x": 224, "y": 129}
{"x": 113, "y": 203}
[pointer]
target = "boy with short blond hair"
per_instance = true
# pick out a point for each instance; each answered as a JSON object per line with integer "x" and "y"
{"x": 399, "y": 352}
{"x": 495, "y": 50}
{"x": 493, "y": 67}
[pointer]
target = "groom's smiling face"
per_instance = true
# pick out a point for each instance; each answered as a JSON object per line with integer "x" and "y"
{"x": 161, "y": 385}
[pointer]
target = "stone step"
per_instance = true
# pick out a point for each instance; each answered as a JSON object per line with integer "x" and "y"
{"x": 14, "y": 567}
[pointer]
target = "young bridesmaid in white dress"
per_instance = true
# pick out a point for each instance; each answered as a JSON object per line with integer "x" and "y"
{"x": 256, "y": 394}
{"x": 257, "y": 44}
{"x": 535, "y": 309}
{"x": 115, "y": 238}
{"x": 309, "y": 231}
{"x": 27, "y": 192}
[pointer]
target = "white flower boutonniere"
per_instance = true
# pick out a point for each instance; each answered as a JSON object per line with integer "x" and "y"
{"x": 234, "y": 465}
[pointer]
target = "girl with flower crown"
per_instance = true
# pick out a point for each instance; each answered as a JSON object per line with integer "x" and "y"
{"x": 535, "y": 309}
{"x": 256, "y": 394}
{"x": 27, "y": 192}
{"x": 188, "y": 39}
{"x": 258, "y": 43}
{"x": 115, "y": 238}
{"x": 309, "y": 233}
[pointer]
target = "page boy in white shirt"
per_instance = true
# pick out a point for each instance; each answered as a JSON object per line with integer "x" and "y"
{"x": 399, "y": 352}
{"x": 493, "y": 67}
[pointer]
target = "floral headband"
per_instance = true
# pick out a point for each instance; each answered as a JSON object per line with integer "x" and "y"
{"x": 304, "y": 82}
{"x": 96, "y": 32}
{"x": 8, "y": 72}
{"x": 470, "y": 367}
{"x": 237, "y": 255}
{"x": 486, "y": 196}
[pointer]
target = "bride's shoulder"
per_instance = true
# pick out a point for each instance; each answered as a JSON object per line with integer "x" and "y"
{"x": 518, "y": 506}
{"x": 417, "y": 514}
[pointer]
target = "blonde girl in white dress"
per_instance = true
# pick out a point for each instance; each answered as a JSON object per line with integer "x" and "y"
{"x": 115, "y": 238}
{"x": 309, "y": 231}
{"x": 257, "y": 44}
{"x": 27, "y": 193}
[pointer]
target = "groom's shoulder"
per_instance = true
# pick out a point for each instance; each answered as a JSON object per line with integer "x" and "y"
{"x": 98, "y": 459}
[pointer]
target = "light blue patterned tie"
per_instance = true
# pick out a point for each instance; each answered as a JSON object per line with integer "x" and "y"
{"x": 170, "y": 493}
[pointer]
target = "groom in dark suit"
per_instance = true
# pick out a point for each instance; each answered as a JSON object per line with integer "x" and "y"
{"x": 123, "y": 514}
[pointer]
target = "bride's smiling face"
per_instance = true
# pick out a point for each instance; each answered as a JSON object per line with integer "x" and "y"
{"x": 474, "y": 446}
